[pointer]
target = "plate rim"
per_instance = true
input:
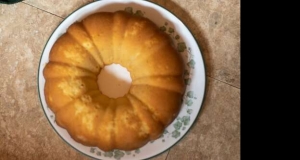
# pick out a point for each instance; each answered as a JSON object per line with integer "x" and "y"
{"x": 204, "y": 68}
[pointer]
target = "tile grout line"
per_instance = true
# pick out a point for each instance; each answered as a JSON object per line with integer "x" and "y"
{"x": 224, "y": 82}
{"x": 43, "y": 10}
{"x": 168, "y": 154}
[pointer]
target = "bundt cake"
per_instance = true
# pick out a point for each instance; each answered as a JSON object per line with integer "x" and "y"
{"x": 94, "y": 119}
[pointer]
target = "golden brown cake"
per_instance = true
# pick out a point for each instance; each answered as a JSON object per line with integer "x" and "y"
{"x": 89, "y": 116}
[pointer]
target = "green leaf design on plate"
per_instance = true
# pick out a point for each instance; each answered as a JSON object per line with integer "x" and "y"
{"x": 98, "y": 153}
{"x": 175, "y": 134}
{"x": 139, "y": 13}
{"x": 92, "y": 150}
{"x": 189, "y": 111}
{"x": 128, "y": 152}
{"x": 137, "y": 151}
{"x": 118, "y": 154}
{"x": 187, "y": 81}
{"x": 183, "y": 128}
{"x": 189, "y": 102}
{"x": 177, "y": 37}
{"x": 171, "y": 30}
{"x": 186, "y": 120}
{"x": 190, "y": 94}
{"x": 186, "y": 72}
{"x": 191, "y": 63}
{"x": 166, "y": 132}
{"x": 108, "y": 154}
{"x": 163, "y": 28}
{"x": 181, "y": 47}
{"x": 177, "y": 125}
{"x": 129, "y": 10}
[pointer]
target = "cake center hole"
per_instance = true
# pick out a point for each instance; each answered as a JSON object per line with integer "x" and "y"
{"x": 114, "y": 81}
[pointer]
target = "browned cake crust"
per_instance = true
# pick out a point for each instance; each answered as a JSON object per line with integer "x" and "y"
{"x": 94, "y": 119}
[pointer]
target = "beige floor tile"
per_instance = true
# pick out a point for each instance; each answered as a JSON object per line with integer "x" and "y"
{"x": 216, "y": 133}
{"x": 58, "y": 7}
{"x": 24, "y": 131}
{"x": 216, "y": 26}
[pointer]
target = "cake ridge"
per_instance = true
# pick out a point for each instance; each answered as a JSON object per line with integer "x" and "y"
{"x": 114, "y": 29}
{"x": 121, "y": 54}
{"x": 74, "y": 127}
{"x": 97, "y": 18}
{"x": 137, "y": 29}
{"x": 149, "y": 38}
{"x": 149, "y": 109}
{"x": 130, "y": 131}
{"x": 113, "y": 134}
{"x": 172, "y": 83}
{"x": 74, "y": 77}
{"x": 160, "y": 102}
{"x": 84, "y": 27}
{"x": 147, "y": 115}
{"x": 62, "y": 64}
{"x": 136, "y": 114}
{"x": 156, "y": 76}
{"x": 93, "y": 44}
{"x": 69, "y": 54}
{"x": 58, "y": 84}
{"x": 111, "y": 131}
{"x": 166, "y": 89}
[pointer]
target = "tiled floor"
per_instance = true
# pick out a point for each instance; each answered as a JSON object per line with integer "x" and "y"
{"x": 24, "y": 130}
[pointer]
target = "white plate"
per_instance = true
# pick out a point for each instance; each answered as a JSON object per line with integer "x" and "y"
{"x": 194, "y": 76}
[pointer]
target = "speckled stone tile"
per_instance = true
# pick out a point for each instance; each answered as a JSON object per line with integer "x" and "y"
{"x": 216, "y": 26}
{"x": 24, "y": 131}
{"x": 216, "y": 132}
{"x": 58, "y": 7}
